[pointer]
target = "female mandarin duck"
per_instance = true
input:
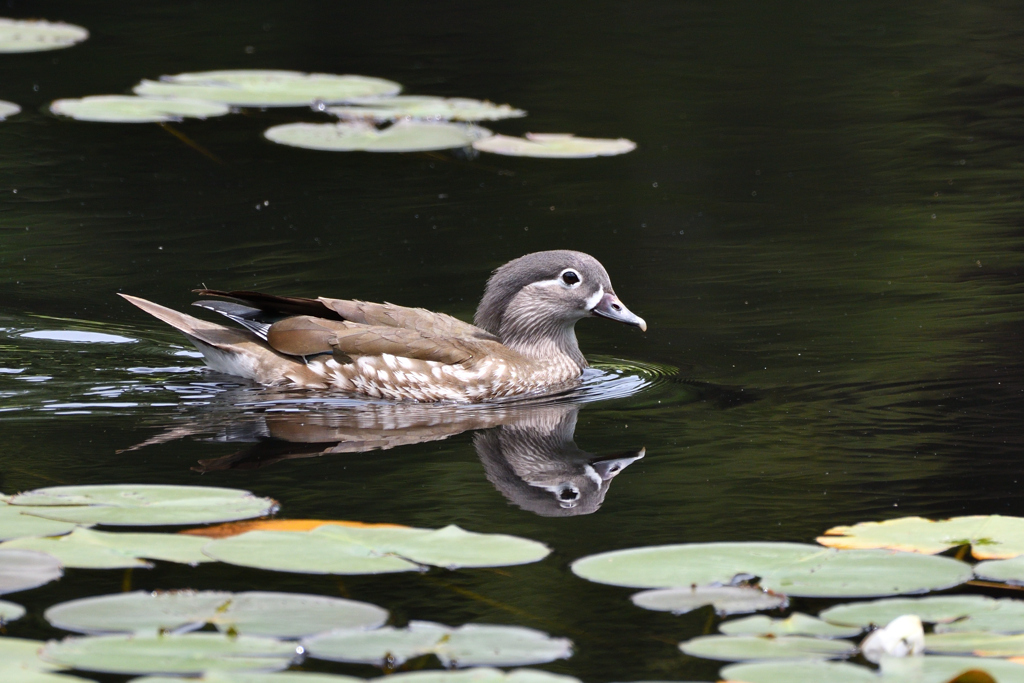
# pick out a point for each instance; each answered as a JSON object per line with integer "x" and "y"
{"x": 523, "y": 341}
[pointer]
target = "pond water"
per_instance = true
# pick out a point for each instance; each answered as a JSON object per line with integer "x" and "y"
{"x": 821, "y": 225}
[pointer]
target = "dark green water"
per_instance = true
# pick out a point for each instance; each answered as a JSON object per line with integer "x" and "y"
{"x": 821, "y": 225}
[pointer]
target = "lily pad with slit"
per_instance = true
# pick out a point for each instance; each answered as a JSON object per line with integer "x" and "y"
{"x": 190, "y": 653}
{"x": 36, "y": 35}
{"x": 554, "y": 146}
{"x": 143, "y": 504}
{"x": 130, "y": 109}
{"x": 267, "y": 88}
{"x": 796, "y": 624}
{"x": 24, "y": 569}
{"x": 812, "y": 671}
{"x": 8, "y": 109}
{"x": 360, "y": 136}
{"x": 15, "y": 522}
{"x": 426, "y": 108}
{"x": 747, "y": 648}
{"x": 91, "y": 549}
{"x": 283, "y": 615}
{"x": 725, "y": 599}
{"x": 469, "y": 645}
{"x": 990, "y": 536}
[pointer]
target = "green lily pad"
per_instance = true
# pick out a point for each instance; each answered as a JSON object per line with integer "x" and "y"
{"x": 797, "y": 624}
{"x": 8, "y": 109}
{"x": 253, "y": 677}
{"x": 990, "y": 536}
{"x": 16, "y": 523}
{"x": 267, "y": 88}
{"x": 10, "y": 612}
{"x": 554, "y": 146}
{"x": 481, "y": 674}
{"x": 949, "y": 613}
{"x": 20, "y": 663}
{"x": 814, "y": 671}
{"x": 975, "y": 643}
{"x": 35, "y": 35}
{"x": 143, "y": 504}
{"x": 789, "y": 568}
{"x": 746, "y": 648}
{"x": 359, "y": 136}
{"x": 725, "y": 599}
{"x": 931, "y": 669}
{"x": 469, "y": 645}
{"x": 191, "y": 653}
{"x": 423, "y": 107}
{"x": 372, "y": 550}
{"x": 89, "y": 549}
{"x": 129, "y": 109}
{"x": 24, "y": 569}
{"x": 1006, "y": 571}
{"x": 284, "y": 615}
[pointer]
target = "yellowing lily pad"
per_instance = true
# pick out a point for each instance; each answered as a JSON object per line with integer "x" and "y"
{"x": 469, "y": 645}
{"x": 143, "y": 504}
{"x": 267, "y": 88}
{"x": 34, "y": 35}
{"x": 725, "y": 599}
{"x": 8, "y": 109}
{"x": 24, "y": 569}
{"x": 191, "y": 653}
{"x": 90, "y": 549}
{"x": 129, "y": 109}
{"x": 990, "y": 536}
{"x": 426, "y": 108}
{"x": 359, "y": 136}
{"x": 284, "y": 615}
{"x": 747, "y": 648}
{"x": 797, "y": 624}
{"x": 554, "y": 146}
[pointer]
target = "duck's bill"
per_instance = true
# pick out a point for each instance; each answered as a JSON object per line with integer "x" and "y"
{"x": 610, "y": 307}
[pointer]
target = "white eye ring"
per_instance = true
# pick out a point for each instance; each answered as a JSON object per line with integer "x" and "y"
{"x": 567, "y": 277}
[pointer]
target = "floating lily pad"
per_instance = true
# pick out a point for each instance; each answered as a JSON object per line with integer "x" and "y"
{"x": 10, "y": 612}
{"x": 348, "y": 550}
{"x": 129, "y": 109}
{"x": 949, "y": 613}
{"x": 8, "y": 109}
{"x": 1006, "y": 571}
{"x": 554, "y": 146}
{"x": 16, "y": 523}
{"x": 35, "y": 35}
{"x": 20, "y": 663}
{"x": 799, "y": 672}
{"x": 975, "y": 643}
{"x": 89, "y": 549}
{"x": 254, "y": 677}
{"x": 797, "y": 624}
{"x": 481, "y": 674}
{"x": 190, "y": 653}
{"x": 990, "y": 536}
{"x": 24, "y": 569}
{"x": 267, "y": 88}
{"x": 929, "y": 669}
{"x": 746, "y": 648}
{"x": 422, "y": 107}
{"x": 358, "y": 136}
{"x": 469, "y": 645}
{"x": 144, "y": 505}
{"x": 789, "y": 568}
{"x": 285, "y": 615}
{"x": 725, "y": 599}
{"x": 236, "y": 528}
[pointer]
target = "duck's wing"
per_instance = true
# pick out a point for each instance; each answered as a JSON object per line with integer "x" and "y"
{"x": 276, "y": 306}
{"x": 418, "y": 319}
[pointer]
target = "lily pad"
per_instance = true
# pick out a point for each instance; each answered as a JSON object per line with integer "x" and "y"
{"x": 359, "y": 136}
{"x": 725, "y": 599}
{"x": 814, "y": 671}
{"x": 284, "y": 615}
{"x": 129, "y": 109}
{"x": 1006, "y": 571}
{"x": 949, "y": 613}
{"x": 554, "y": 146}
{"x": 429, "y": 108}
{"x": 144, "y": 504}
{"x": 20, "y": 663}
{"x": 990, "y": 536}
{"x": 469, "y": 645}
{"x": 10, "y": 612}
{"x": 930, "y": 669}
{"x": 89, "y": 549}
{"x": 350, "y": 550}
{"x": 24, "y": 569}
{"x": 35, "y": 35}
{"x": 16, "y": 523}
{"x": 236, "y": 528}
{"x": 191, "y": 653}
{"x": 254, "y": 677}
{"x": 267, "y": 88}
{"x": 975, "y": 643}
{"x": 8, "y": 109}
{"x": 481, "y": 674}
{"x": 789, "y": 568}
{"x": 797, "y": 624}
{"x": 746, "y": 648}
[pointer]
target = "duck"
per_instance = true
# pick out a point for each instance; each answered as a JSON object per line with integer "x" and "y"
{"x": 522, "y": 341}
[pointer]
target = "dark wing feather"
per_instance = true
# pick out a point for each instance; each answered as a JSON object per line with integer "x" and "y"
{"x": 277, "y": 305}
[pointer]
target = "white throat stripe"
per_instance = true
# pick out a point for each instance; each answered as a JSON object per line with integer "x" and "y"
{"x": 595, "y": 298}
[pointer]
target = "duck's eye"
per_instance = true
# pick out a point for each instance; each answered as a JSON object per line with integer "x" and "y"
{"x": 571, "y": 277}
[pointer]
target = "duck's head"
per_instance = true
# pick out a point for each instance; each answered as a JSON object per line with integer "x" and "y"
{"x": 539, "y": 297}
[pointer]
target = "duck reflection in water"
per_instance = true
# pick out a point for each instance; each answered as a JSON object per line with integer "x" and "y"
{"x": 527, "y": 451}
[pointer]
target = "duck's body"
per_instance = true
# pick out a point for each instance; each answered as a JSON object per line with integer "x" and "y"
{"x": 523, "y": 341}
